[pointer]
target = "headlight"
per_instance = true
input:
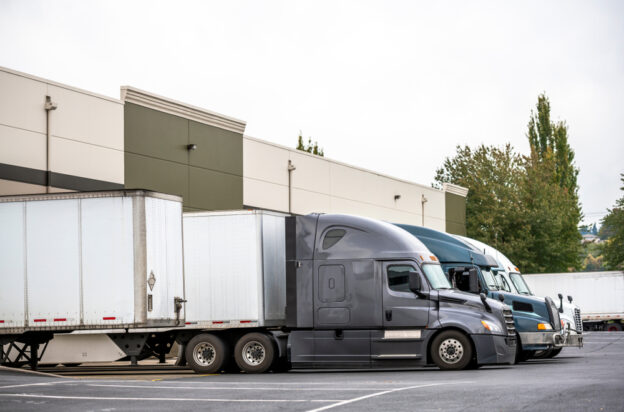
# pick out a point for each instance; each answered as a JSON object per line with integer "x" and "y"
{"x": 544, "y": 326}
{"x": 491, "y": 326}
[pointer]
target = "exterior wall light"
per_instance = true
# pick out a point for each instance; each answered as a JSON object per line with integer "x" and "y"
{"x": 397, "y": 197}
{"x": 191, "y": 146}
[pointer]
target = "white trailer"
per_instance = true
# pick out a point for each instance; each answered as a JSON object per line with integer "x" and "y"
{"x": 600, "y": 294}
{"x": 87, "y": 261}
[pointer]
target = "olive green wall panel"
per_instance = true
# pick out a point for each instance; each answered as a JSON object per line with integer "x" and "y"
{"x": 212, "y": 190}
{"x": 455, "y": 214}
{"x": 157, "y": 158}
{"x": 144, "y": 172}
{"x": 155, "y": 134}
{"x": 217, "y": 149}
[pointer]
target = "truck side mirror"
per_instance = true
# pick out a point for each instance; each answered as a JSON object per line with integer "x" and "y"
{"x": 560, "y": 302}
{"x": 569, "y": 298}
{"x": 473, "y": 281}
{"x": 414, "y": 282}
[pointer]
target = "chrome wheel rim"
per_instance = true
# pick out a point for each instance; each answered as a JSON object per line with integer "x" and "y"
{"x": 253, "y": 353}
{"x": 451, "y": 351}
{"x": 204, "y": 354}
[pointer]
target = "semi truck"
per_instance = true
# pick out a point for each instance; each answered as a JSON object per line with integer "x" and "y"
{"x": 329, "y": 291}
{"x": 269, "y": 291}
{"x": 511, "y": 280}
{"x": 600, "y": 294}
{"x": 537, "y": 320}
{"x": 96, "y": 261}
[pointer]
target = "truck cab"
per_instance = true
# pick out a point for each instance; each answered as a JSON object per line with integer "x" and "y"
{"x": 364, "y": 293}
{"x": 511, "y": 280}
{"x": 537, "y": 320}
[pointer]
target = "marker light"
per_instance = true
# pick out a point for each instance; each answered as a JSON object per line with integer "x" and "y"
{"x": 544, "y": 326}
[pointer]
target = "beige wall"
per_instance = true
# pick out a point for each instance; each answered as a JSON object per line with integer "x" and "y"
{"x": 86, "y": 129}
{"x": 323, "y": 185}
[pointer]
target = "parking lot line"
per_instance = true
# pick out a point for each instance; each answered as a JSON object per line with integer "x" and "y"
{"x": 372, "y": 395}
{"x": 119, "y": 398}
{"x": 233, "y": 388}
{"x": 34, "y": 384}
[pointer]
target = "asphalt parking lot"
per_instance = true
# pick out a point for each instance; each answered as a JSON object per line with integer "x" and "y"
{"x": 591, "y": 378}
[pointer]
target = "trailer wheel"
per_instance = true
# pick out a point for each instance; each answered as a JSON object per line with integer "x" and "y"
{"x": 613, "y": 327}
{"x": 206, "y": 353}
{"x": 451, "y": 350}
{"x": 254, "y": 353}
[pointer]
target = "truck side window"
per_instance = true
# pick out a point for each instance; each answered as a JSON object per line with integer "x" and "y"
{"x": 332, "y": 237}
{"x": 398, "y": 278}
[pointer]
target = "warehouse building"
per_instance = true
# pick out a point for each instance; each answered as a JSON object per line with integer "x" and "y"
{"x": 55, "y": 137}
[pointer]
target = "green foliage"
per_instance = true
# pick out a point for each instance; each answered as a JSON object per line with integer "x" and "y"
{"x": 525, "y": 206}
{"x": 309, "y": 147}
{"x": 592, "y": 257}
{"x": 613, "y": 225}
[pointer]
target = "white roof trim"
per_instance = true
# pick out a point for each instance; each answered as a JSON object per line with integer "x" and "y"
{"x": 153, "y": 101}
{"x": 454, "y": 189}
{"x": 57, "y": 84}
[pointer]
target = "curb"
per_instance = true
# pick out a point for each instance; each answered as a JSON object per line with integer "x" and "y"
{"x": 29, "y": 372}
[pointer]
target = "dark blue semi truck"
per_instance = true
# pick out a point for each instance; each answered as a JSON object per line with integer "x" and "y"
{"x": 536, "y": 319}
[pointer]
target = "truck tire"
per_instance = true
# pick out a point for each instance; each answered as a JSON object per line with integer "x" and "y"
{"x": 451, "y": 350}
{"x": 554, "y": 352}
{"x": 254, "y": 353}
{"x": 524, "y": 355}
{"x": 613, "y": 327}
{"x": 206, "y": 353}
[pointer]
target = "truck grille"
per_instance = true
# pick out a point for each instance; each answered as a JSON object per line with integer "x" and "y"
{"x": 578, "y": 323}
{"x": 509, "y": 321}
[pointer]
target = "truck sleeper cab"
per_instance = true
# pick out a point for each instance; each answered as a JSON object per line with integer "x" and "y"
{"x": 363, "y": 293}
{"x": 536, "y": 320}
{"x": 511, "y": 280}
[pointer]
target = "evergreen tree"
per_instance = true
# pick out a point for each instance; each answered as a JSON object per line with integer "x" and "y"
{"x": 551, "y": 192}
{"x": 613, "y": 224}
{"x": 310, "y": 147}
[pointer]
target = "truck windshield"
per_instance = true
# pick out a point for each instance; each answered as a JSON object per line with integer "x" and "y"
{"x": 519, "y": 283}
{"x": 489, "y": 279}
{"x": 436, "y": 276}
{"x": 502, "y": 281}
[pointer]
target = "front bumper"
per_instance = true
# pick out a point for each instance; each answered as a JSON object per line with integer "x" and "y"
{"x": 573, "y": 339}
{"x": 557, "y": 339}
{"x": 495, "y": 349}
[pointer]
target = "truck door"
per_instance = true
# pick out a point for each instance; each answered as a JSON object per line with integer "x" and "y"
{"x": 404, "y": 315}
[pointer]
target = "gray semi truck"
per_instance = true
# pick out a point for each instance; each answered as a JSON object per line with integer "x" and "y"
{"x": 360, "y": 293}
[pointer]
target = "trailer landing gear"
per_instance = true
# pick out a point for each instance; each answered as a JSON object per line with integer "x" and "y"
{"x": 24, "y": 349}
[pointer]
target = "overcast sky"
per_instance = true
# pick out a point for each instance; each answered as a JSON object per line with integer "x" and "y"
{"x": 391, "y": 86}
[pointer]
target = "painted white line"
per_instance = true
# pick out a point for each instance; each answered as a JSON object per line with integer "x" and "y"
{"x": 34, "y": 384}
{"x": 109, "y": 398}
{"x": 220, "y": 388}
{"x": 372, "y": 395}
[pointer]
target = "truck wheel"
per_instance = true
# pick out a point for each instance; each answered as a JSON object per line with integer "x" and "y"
{"x": 451, "y": 350}
{"x": 206, "y": 353}
{"x": 254, "y": 353}
{"x": 524, "y": 355}
{"x": 554, "y": 352}
{"x": 613, "y": 327}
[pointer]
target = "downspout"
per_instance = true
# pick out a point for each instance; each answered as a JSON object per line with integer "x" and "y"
{"x": 49, "y": 106}
{"x": 423, "y": 200}
{"x": 291, "y": 167}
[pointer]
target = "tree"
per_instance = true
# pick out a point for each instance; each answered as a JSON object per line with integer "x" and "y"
{"x": 493, "y": 214}
{"x": 551, "y": 192}
{"x": 310, "y": 148}
{"x": 525, "y": 206}
{"x": 613, "y": 223}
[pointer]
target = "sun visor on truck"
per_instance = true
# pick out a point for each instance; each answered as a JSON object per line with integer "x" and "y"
{"x": 449, "y": 249}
